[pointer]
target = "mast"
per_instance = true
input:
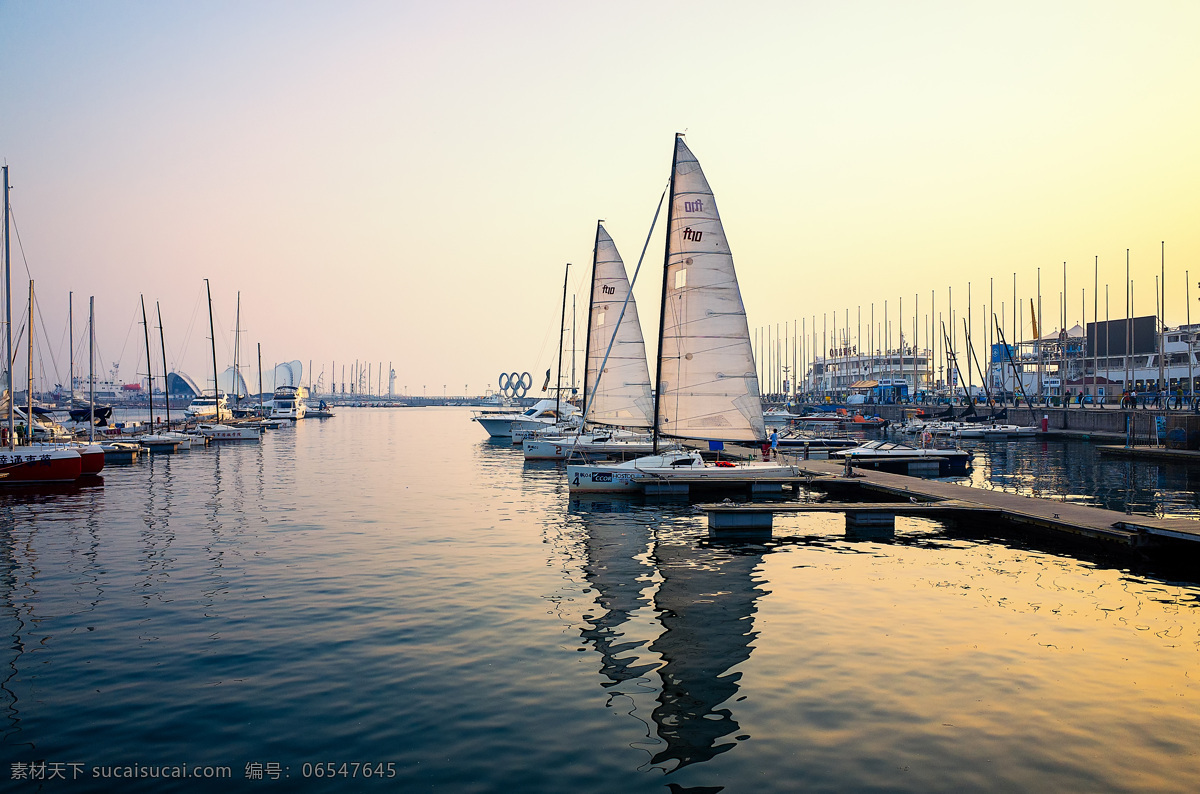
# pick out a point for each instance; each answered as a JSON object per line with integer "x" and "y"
{"x": 237, "y": 337}
{"x": 573, "y": 323}
{"x": 163, "y": 342}
{"x": 561, "y": 322}
{"x": 1037, "y": 333}
{"x": 91, "y": 366}
{"x": 1096, "y": 330}
{"x": 260, "y": 391}
{"x": 8, "y": 356}
{"x": 662, "y": 309}
{"x": 591, "y": 307}
{"x": 29, "y": 373}
{"x": 213, "y": 338}
{"x": 71, "y": 346}
{"x": 149, "y": 369}
{"x": 1127, "y": 360}
{"x": 1162, "y": 325}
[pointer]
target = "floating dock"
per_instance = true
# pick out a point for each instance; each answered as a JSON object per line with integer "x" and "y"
{"x": 944, "y": 501}
{"x": 1146, "y": 452}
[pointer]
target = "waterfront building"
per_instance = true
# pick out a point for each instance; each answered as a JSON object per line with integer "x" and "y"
{"x": 883, "y": 376}
{"x": 1103, "y": 360}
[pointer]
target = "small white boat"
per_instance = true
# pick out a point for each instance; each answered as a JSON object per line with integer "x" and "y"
{"x": 158, "y": 443}
{"x": 779, "y": 417}
{"x": 229, "y": 432}
{"x": 955, "y": 460}
{"x": 268, "y": 424}
{"x": 498, "y": 424}
{"x": 120, "y": 451}
{"x": 995, "y": 432}
{"x": 184, "y": 439}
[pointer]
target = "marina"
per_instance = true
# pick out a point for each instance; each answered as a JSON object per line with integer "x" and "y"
{"x": 809, "y": 405}
{"x": 225, "y": 593}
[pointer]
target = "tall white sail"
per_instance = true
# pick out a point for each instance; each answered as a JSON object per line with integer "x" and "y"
{"x": 707, "y": 383}
{"x": 622, "y": 397}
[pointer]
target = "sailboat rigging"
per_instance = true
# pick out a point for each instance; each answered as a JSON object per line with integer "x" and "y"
{"x": 48, "y": 464}
{"x": 616, "y": 377}
{"x": 707, "y": 383}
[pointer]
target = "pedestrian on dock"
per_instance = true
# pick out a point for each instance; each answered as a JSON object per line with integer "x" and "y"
{"x": 774, "y": 443}
{"x": 1178, "y": 397}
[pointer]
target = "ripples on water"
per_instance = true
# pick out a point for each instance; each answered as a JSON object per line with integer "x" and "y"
{"x": 387, "y": 586}
{"x": 1072, "y": 471}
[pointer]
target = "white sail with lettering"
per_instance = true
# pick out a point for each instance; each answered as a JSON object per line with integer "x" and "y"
{"x": 622, "y": 389}
{"x": 707, "y": 383}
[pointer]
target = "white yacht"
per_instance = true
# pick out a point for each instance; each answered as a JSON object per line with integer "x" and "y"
{"x": 288, "y": 403}
{"x": 499, "y": 423}
{"x": 209, "y": 408}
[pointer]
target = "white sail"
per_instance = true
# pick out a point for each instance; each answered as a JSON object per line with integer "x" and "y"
{"x": 707, "y": 383}
{"x": 623, "y": 396}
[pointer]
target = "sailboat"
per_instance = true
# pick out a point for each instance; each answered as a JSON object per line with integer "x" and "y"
{"x": 543, "y": 415}
{"x": 707, "y": 384}
{"x": 616, "y": 379}
{"x": 26, "y": 465}
{"x": 217, "y": 431}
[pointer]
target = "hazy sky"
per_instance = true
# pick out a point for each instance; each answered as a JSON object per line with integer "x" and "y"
{"x": 405, "y": 181}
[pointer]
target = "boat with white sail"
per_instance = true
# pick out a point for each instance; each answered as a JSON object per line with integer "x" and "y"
{"x": 707, "y": 382}
{"x": 620, "y": 403}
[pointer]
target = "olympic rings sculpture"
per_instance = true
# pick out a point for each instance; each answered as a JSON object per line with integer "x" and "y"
{"x": 516, "y": 384}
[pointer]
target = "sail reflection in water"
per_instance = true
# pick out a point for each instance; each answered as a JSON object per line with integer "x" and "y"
{"x": 703, "y": 602}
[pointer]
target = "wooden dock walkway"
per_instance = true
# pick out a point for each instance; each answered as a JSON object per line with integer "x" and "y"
{"x": 951, "y": 500}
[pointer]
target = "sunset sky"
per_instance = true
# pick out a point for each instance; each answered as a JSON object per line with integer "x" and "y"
{"x": 405, "y": 182}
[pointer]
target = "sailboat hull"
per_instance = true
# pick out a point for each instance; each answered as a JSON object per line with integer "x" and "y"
{"x": 632, "y": 476}
{"x": 31, "y": 467}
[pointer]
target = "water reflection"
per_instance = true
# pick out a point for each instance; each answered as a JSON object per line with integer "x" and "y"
{"x": 1073, "y": 471}
{"x": 700, "y": 600}
{"x": 50, "y": 578}
{"x": 705, "y": 605}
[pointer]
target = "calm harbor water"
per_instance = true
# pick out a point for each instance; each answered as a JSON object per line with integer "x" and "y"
{"x": 387, "y": 587}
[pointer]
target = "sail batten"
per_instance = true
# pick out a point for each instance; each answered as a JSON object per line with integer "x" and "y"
{"x": 622, "y": 390}
{"x": 707, "y": 381}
